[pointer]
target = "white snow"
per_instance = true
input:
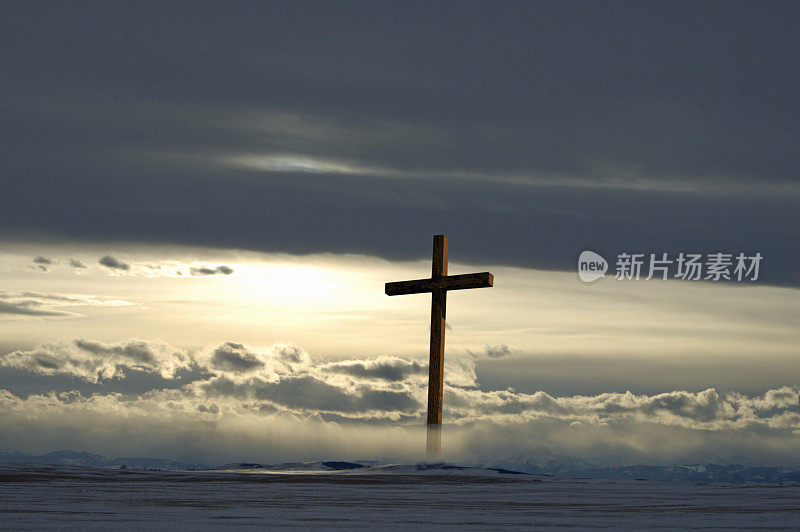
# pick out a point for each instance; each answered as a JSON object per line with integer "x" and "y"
{"x": 34, "y": 497}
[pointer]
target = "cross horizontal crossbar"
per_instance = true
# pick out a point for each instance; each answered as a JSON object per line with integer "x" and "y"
{"x": 444, "y": 282}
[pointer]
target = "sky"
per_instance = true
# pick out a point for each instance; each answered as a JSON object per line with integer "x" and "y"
{"x": 201, "y": 204}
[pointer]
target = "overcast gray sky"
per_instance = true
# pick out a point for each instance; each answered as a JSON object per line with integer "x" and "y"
{"x": 527, "y": 131}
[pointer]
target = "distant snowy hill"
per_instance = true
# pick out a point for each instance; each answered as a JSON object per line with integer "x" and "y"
{"x": 577, "y": 468}
{"x": 84, "y": 459}
{"x": 550, "y": 466}
{"x": 370, "y": 467}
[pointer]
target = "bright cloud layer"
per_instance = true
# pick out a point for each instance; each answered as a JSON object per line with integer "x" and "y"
{"x": 244, "y": 392}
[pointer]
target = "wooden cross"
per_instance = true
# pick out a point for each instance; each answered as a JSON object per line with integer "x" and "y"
{"x": 438, "y": 285}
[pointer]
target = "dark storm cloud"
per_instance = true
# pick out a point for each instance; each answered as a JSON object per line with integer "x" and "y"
{"x": 23, "y": 309}
{"x": 525, "y": 131}
{"x": 293, "y": 392}
{"x": 110, "y": 262}
{"x": 45, "y": 297}
{"x": 95, "y": 361}
{"x": 41, "y": 263}
{"x": 75, "y": 263}
{"x": 706, "y": 406}
{"x": 385, "y": 368}
{"x": 212, "y": 408}
{"x": 224, "y": 270}
{"x": 139, "y": 352}
{"x": 292, "y": 354}
{"x": 493, "y": 351}
{"x": 235, "y": 358}
{"x": 306, "y": 392}
{"x": 388, "y": 400}
{"x": 36, "y": 304}
{"x": 51, "y": 304}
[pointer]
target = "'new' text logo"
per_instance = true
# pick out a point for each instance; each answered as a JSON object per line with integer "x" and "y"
{"x": 591, "y": 266}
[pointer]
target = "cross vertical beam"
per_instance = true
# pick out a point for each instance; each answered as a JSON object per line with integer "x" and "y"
{"x": 438, "y": 311}
{"x": 438, "y": 285}
{"x": 436, "y": 366}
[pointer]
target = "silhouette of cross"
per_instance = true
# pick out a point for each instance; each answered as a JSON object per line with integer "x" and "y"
{"x": 438, "y": 285}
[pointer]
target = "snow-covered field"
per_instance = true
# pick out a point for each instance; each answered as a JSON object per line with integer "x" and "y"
{"x": 36, "y": 497}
